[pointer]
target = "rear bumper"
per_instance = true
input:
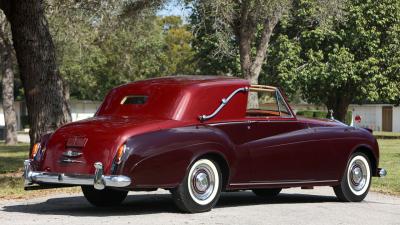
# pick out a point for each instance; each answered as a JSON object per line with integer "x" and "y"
{"x": 98, "y": 180}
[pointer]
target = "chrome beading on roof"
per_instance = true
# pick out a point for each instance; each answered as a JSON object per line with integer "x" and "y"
{"x": 224, "y": 101}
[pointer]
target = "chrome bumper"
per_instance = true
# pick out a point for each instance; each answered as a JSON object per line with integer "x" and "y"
{"x": 382, "y": 172}
{"x": 98, "y": 180}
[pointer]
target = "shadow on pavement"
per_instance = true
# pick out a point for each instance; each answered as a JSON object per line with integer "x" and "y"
{"x": 140, "y": 204}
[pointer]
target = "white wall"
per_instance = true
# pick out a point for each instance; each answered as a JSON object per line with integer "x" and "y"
{"x": 371, "y": 116}
{"x": 83, "y": 109}
{"x": 396, "y": 119}
{"x": 17, "y": 107}
{"x": 79, "y": 110}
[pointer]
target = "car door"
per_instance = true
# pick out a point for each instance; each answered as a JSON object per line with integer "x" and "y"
{"x": 281, "y": 148}
{"x": 236, "y": 132}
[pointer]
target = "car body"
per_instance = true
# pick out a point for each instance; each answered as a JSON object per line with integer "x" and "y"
{"x": 147, "y": 135}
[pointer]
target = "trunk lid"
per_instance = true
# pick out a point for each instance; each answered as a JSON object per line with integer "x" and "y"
{"x": 75, "y": 147}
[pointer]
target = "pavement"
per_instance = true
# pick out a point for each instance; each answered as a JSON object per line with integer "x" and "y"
{"x": 292, "y": 206}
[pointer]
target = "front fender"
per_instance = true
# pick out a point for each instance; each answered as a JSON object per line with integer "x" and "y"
{"x": 160, "y": 159}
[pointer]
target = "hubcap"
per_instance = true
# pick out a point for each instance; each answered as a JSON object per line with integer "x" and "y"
{"x": 202, "y": 182}
{"x": 358, "y": 175}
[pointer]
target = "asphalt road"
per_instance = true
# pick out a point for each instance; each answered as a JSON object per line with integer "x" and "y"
{"x": 293, "y": 206}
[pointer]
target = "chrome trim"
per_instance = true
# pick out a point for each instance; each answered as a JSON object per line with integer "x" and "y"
{"x": 382, "y": 172}
{"x": 71, "y": 153}
{"x": 27, "y": 171}
{"x": 228, "y": 123}
{"x": 98, "y": 180}
{"x": 286, "y": 182}
{"x": 224, "y": 101}
{"x": 286, "y": 104}
{"x": 70, "y": 161}
{"x": 98, "y": 176}
{"x": 277, "y": 103}
{"x": 253, "y": 120}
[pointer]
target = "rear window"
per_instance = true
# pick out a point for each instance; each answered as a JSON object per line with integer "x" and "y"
{"x": 134, "y": 100}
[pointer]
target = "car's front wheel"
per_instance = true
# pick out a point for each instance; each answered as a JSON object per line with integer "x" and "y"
{"x": 356, "y": 180}
{"x": 201, "y": 187}
{"x": 105, "y": 197}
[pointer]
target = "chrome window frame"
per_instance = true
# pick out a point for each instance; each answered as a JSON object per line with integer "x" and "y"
{"x": 277, "y": 92}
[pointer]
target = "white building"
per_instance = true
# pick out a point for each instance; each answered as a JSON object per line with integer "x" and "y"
{"x": 378, "y": 117}
{"x": 79, "y": 110}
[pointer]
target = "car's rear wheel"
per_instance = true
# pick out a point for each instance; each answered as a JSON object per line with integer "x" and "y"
{"x": 267, "y": 193}
{"x": 105, "y": 197}
{"x": 201, "y": 187}
{"x": 356, "y": 180}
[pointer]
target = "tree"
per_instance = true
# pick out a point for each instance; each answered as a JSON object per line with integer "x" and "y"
{"x": 250, "y": 23}
{"x": 213, "y": 56}
{"x": 6, "y": 51}
{"x": 354, "y": 60}
{"x": 178, "y": 52}
{"x": 44, "y": 89}
{"x": 100, "y": 46}
{"x": 106, "y": 49}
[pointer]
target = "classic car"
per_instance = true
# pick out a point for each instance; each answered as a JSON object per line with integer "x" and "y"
{"x": 198, "y": 136}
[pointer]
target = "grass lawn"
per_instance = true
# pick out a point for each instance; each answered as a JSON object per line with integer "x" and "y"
{"x": 390, "y": 160}
{"x": 12, "y": 158}
{"x": 390, "y": 134}
{"x": 11, "y": 170}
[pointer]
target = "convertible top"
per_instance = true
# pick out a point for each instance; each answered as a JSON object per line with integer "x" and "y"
{"x": 176, "y": 98}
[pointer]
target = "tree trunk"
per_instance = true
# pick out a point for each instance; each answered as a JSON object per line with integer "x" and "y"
{"x": 250, "y": 63}
{"x": 10, "y": 118}
{"x": 43, "y": 85}
{"x": 339, "y": 108}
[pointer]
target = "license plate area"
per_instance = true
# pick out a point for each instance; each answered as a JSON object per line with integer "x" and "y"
{"x": 76, "y": 142}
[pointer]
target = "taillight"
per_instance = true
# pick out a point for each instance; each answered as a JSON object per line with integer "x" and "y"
{"x": 120, "y": 153}
{"x": 35, "y": 150}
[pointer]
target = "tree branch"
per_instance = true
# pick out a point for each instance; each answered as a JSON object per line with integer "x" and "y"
{"x": 262, "y": 47}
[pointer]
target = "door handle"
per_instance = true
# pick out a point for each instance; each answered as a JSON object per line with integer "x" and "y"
{"x": 250, "y": 123}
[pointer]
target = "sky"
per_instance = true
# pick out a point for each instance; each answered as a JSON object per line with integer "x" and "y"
{"x": 174, "y": 8}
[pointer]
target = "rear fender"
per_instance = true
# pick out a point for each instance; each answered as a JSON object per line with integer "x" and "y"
{"x": 161, "y": 159}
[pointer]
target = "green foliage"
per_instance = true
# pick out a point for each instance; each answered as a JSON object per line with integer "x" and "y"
{"x": 355, "y": 59}
{"x": 321, "y": 115}
{"x": 214, "y": 56}
{"x": 283, "y": 61}
{"x": 100, "y": 49}
{"x": 107, "y": 57}
{"x": 178, "y": 54}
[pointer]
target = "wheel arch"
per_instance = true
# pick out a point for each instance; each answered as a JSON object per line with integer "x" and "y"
{"x": 367, "y": 150}
{"x": 222, "y": 162}
{"x": 161, "y": 159}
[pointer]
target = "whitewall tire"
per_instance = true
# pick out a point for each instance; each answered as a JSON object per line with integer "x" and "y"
{"x": 356, "y": 180}
{"x": 201, "y": 187}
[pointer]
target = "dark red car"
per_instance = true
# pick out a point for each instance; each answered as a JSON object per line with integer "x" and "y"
{"x": 197, "y": 136}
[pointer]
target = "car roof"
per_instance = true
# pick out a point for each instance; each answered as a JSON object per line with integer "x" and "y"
{"x": 190, "y": 80}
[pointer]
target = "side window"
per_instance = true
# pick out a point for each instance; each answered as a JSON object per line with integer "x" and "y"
{"x": 266, "y": 102}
